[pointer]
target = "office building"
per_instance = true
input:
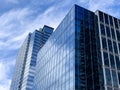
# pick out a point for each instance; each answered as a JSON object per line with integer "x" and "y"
{"x": 83, "y": 53}
{"x": 23, "y": 78}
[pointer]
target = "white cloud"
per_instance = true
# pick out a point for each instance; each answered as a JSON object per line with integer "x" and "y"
{"x": 15, "y": 25}
{"x": 4, "y": 76}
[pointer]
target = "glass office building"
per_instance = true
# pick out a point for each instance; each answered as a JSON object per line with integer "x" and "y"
{"x": 109, "y": 50}
{"x": 82, "y": 54}
{"x": 24, "y": 73}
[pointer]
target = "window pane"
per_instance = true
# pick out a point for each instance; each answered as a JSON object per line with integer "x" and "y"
{"x": 106, "y": 18}
{"x": 114, "y": 76}
{"x": 111, "y": 20}
{"x": 118, "y": 35}
{"x": 108, "y": 77}
{"x": 108, "y": 31}
{"x": 104, "y": 44}
{"x": 101, "y": 16}
{"x": 117, "y": 62}
{"x": 113, "y": 33}
{"x": 110, "y": 45}
{"x": 112, "y": 61}
{"x": 119, "y": 77}
{"x": 106, "y": 60}
{"x": 102, "y": 29}
{"x": 116, "y": 23}
{"x": 115, "y": 47}
{"x": 119, "y": 46}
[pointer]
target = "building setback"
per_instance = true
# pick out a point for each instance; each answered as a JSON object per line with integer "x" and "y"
{"x": 82, "y": 54}
{"x": 23, "y": 78}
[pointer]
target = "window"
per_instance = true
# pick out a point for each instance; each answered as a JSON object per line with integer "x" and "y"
{"x": 114, "y": 76}
{"x": 102, "y": 29}
{"x": 115, "y": 47}
{"x": 108, "y": 77}
{"x": 119, "y": 77}
{"x": 111, "y": 20}
{"x": 113, "y": 33}
{"x": 104, "y": 44}
{"x": 118, "y": 35}
{"x": 108, "y": 31}
{"x": 117, "y": 62}
{"x": 101, "y": 16}
{"x": 106, "y": 18}
{"x": 116, "y": 23}
{"x": 119, "y": 46}
{"x": 106, "y": 60}
{"x": 110, "y": 45}
{"x": 112, "y": 61}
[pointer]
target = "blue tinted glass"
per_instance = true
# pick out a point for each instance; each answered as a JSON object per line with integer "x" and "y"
{"x": 112, "y": 61}
{"x": 114, "y": 76}
{"x": 106, "y": 60}
{"x": 110, "y": 45}
{"x": 113, "y": 33}
{"x": 102, "y": 29}
{"x": 104, "y": 44}
{"x": 108, "y": 77}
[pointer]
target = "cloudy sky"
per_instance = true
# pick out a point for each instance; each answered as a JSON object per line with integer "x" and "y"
{"x": 19, "y": 17}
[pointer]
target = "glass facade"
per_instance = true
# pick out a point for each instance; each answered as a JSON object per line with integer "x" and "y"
{"x": 109, "y": 52}
{"x": 67, "y": 60}
{"x": 23, "y": 78}
{"x": 83, "y": 53}
{"x": 55, "y": 68}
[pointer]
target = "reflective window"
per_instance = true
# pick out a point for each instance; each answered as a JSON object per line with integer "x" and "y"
{"x": 113, "y": 33}
{"x": 101, "y": 16}
{"x": 106, "y": 60}
{"x": 114, "y": 76}
{"x": 108, "y": 31}
{"x": 119, "y": 46}
{"x": 119, "y": 77}
{"x": 104, "y": 44}
{"x": 115, "y": 47}
{"x": 116, "y": 23}
{"x": 102, "y": 29}
{"x": 117, "y": 62}
{"x": 108, "y": 77}
{"x": 106, "y": 18}
{"x": 118, "y": 35}
{"x": 112, "y": 61}
{"x": 110, "y": 45}
{"x": 111, "y": 20}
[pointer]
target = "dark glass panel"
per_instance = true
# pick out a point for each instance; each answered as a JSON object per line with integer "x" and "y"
{"x": 102, "y": 29}
{"x": 111, "y": 20}
{"x": 108, "y": 77}
{"x": 104, "y": 44}
{"x": 115, "y": 47}
{"x": 110, "y": 45}
{"x": 117, "y": 62}
{"x": 106, "y": 18}
{"x": 116, "y": 23}
{"x": 114, "y": 76}
{"x": 112, "y": 61}
{"x": 118, "y": 35}
{"x": 106, "y": 60}
{"x": 108, "y": 31}
{"x": 113, "y": 33}
{"x": 101, "y": 16}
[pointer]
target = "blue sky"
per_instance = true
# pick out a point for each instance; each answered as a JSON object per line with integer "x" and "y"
{"x": 19, "y": 17}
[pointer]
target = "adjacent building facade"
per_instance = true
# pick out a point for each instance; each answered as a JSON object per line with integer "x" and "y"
{"x": 83, "y": 53}
{"x": 24, "y": 73}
